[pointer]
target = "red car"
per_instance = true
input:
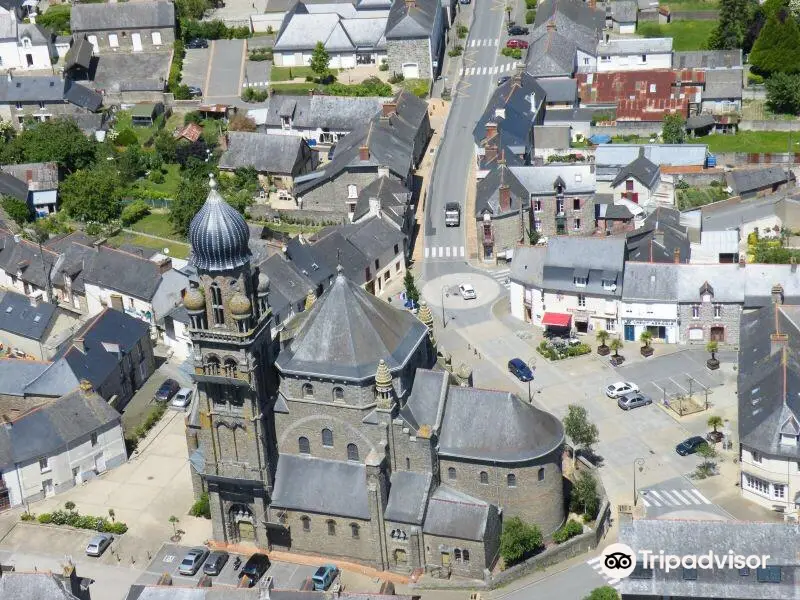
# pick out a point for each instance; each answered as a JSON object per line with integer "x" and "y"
{"x": 517, "y": 44}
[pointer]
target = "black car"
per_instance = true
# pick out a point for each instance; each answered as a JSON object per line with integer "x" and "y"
{"x": 517, "y": 30}
{"x": 195, "y": 91}
{"x": 690, "y": 445}
{"x": 215, "y": 562}
{"x": 255, "y": 567}
{"x": 197, "y": 43}
{"x": 167, "y": 390}
{"x": 502, "y": 79}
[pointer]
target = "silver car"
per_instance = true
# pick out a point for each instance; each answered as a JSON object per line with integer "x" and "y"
{"x": 193, "y": 561}
{"x": 183, "y": 398}
{"x": 98, "y": 544}
{"x": 633, "y": 400}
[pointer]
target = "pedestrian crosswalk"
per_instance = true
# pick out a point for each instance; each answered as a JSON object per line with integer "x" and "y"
{"x": 502, "y": 277}
{"x": 483, "y": 43}
{"x": 255, "y": 84}
{"x": 444, "y": 251}
{"x": 680, "y": 498}
{"x": 597, "y": 564}
{"x": 495, "y": 70}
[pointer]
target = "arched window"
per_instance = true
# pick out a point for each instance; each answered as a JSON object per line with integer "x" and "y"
{"x": 355, "y": 530}
{"x": 216, "y": 304}
{"x": 451, "y": 473}
{"x": 331, "y": 527}
{"x": 511, "y": 480}
{"x": 212, "y": 365}
{"x": 408, "y": 464}
{"x": 308, "y": 390}
{"x": 303, "y": 445}
{"x": 338, "y": 394}
{"x": 327, "y": 438}
{"x": 457, "y": 554}
{"x": 541, "y": 474}
{"x": 484, "y": 478}
{"x": 230, "y": 367}
{"x": 352, "y": 452}
{"x": 465, "y": 556}
{"x": 352, "y": 191}
{"x": 306, "y": 523}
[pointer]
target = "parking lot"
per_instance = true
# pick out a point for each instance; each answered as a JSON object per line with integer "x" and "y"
{"x": 286, "y": 576}
{"x": 217, "y": 70}
{"x": 195, "y": 67}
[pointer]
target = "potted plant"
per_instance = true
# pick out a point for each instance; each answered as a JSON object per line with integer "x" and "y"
{"x": 715, "y": 436}
{"x": 616, "y": 345}
{"x": 646, "y": 337}
{"x": 712, "y": 363}
{"x": 602, "y": 337}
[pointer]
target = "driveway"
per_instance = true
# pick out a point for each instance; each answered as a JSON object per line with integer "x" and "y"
{"x": 225, "y": 73}
{"x": 195, "y": 67}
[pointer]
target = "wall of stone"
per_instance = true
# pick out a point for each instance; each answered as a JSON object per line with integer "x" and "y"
{"x": 508, "y": 232}
{"x": 125, "y": 39}
{"x": 409, "y": 452}
{"x": 407, "y": 550}
{"x": 729, "y": 320}
{"x": 332, "y": 196}
{"x": 547, "y": 216}
{"x": 439, "y": 549}
{"x": 342, "y": 543}
{"x": 400, "y": 52}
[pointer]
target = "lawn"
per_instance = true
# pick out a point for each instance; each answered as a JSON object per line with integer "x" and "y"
{"x": 288, "y": 73}
{"x": 293, "y": 88}
{"x": 686, "y": 35}
{"x": 700, "y": 196}
{"x": 755, "y": 142}
{"x": 293, "y": 228}
{"x": 176, "y": 249}
{"x": 691, "y": 5}
{"x": 156, "y": 223}
{"x": 143, "y": 134}
{"x": 169, "y": 187}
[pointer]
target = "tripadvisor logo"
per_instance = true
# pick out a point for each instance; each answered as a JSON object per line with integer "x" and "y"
{"x": 619, "y": 560}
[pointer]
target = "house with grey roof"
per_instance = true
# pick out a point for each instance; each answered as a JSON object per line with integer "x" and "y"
{"x": 559, "y": 93}
{"x": 661, "y": 238}
{"x": 708, "y": 60}
{"x": 611, "y": 158}
{"x": 777, "y": 579}
{"x": 415, "y": 38}
{"x": 30, "y": 327}
{"x": 127, "y": 27}
{"x": 289, "y": 289}
{"x": 747, "y": 183}
{"x": 722, "y": 93}
{"x": 44, "y": 97}
{"x": 503, "y": 214}
{"x": 621, "y": 15}
{"x": 389, "y": 199}
{"x": 640, "y": 184}
{"x": 40, "y": 184}
{"x": 632, "y": 54}
{"x": 648, "y": 302}
{"x": 44, "y": 585}
{"x": 24, "y": 46}
{"x": 277, "y": 158}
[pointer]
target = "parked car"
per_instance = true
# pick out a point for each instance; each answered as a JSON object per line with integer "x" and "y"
{"x": 517, "y": 44}
{"x": 690, "y": 445}
{"x": 323, "y": 577}
{"x": 98, "y": 544}
{"x": 502, "y": 79}
{"x": 467, "y": 291}
{"x": 518, "y": 30}
{"x": 216, "y": 561}
{"x": 167, "y": 390}
{"x": 620, "y": 388}
{"x": 197, "y": 43}
{"x": 465, "y": 1}
{"x": 520, "y": 370}
{"x": 192, "y": 561}
{"x": 183, "y": 398}
{"x": 195, "y": 91}
{"x": 633, "y": 400}
{"x": 255, "y": 567}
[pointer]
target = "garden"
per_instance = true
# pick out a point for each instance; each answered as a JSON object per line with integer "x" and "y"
{"x": 559, "y": 349}
{"x": 686, "y": 35}
{"x": 70, "y": 517}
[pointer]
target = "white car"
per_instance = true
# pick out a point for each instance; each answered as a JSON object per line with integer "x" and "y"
{"x": 615, "y": 390}
{"x": 467, "y": 291}
{"x": 183, "y": 398}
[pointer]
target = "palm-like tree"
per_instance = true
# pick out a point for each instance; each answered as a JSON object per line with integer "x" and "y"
{"x": 715, "y": 421}
{"x": 602, "y": 337}
{"x": 616, "y": 345}
{"x": 646, "y": 337}
{"x": 712, "y": 347}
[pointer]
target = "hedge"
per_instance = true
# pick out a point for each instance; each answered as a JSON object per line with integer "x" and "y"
{"x": 569, "y": 530}
{"x": 79, "y": 521}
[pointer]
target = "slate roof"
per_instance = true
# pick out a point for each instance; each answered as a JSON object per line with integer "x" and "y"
{"x": 54, "y": 381}
{"x": 593, "y": 258}
{"x": 658, "y": 238}
{"x": 11, "y": 186}
{"x": 35, "y": 88}
{"x": 573, "y": 17}
{"x": 126, "y": 15}
{"x": 18, "y": 585}
{"x": 302, "y": 31}
{"x": 487, "y": 197}
{"x": 16, "y": 374}
{"x": 392, "y": 195}
{"x": 735, "y": 212}
{"x": 634, "y": 46}
{"x": 426, "y": 402}
{"x": 267, "y": 153}
{"x": 408, "y": 497}
{"x": 641, "y": 169}
{"x": 726, "y": 280}
{"x": 723, "y": 85}
{"x": 650, "y": 282}
{"x": 745, "y": 181}
{"x": 550, "y": 54}
{"x": 708, "y": 59}
{"x": 347, "y": 332}
{"x": 552, "y": 137}
{"x": 122, "y": 272}
{"x": 328, "y": 487}
{"x": 526, "y": 268}
{"x": 79, "y": 54}
{"x": 19, "y": 317}
{"x": 777, "y": 540}
{"x": 610, "y": 158}
{"x": 80, "y": 95}
{"x": 559, "y": 90}
{"x": 38, "y": 176}
{"x": 24, "y": 260}
{"x": 49, "y": 429}
{"x": 337, "y": 113}
{"x": 577, "y": 179}
{"x": 454, "y": 514}
{"x": 412, "y": 21}
{"x": 700, "y": 121}
{"x": 37, "y": 34}
{"x": 303, "y": 256}
{"x": 624, "y": 11}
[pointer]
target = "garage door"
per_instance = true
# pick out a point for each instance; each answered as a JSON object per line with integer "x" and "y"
{"x": 411, "y": 71}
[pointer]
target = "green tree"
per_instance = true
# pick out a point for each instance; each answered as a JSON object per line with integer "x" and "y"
{"x": 92, "y": 195}
{"x": 191, "y": 9}
{"x": 165, "y": 145}
{"x": 60, "y": 141}
{"x": 711, "y": 348}
{"x": 412, "y": 293}
{"x": 602, "y": 337}
{"x": 734, "y": 19}
{"x": 134, "y": 212}
{"x": 775, "y": 49}
{"x": 603, "y": 593}
{"x": 518, "y": 541}
{"x": 783, "y": 93}
{"x": 715, "y": 421}
{"x": 131, "y": 164}
{"x": 616, "y": 345}
{"x": 674, "y": 130}
{"x": 707, "y": 454}
{"x": 18, "y": 210}
{"x": 192, "y": 193}
{"x": 580, "y": 430}
{"x": 320, "y": 59}
{"x": 584, "y": 497}
{"x": 646, "y": 337}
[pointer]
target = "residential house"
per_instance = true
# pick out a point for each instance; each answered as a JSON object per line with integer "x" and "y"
{"x": 24, "y": 46}
{"x": 621, "y": 16}
{"x": 552, "y": 142}
{"x": 503, "y": 214}
{"x": 40, "y": 185}
{"x": 415, "y": 38}
{"x": 50, "y": 448}
{"x": 300, "y": 252}
{"x": 747, "y": 183}
{"x": 25, "y": 266}
{"x": 175, "y": 325}
{"x": 716, "y": 247}
{"x": 562, "y": 196}
{"x": 613, "y": 218}
{"x": 661, "y": 238}
{"x": 710, "y": 302}
{"x": 30, "y": 327}
{"x": 78, "y": 59}
{"x": 708, "y": 60}
{"x": 648, "y": 302}
{"x": 722, "y": 94}
{"x": 695, "y": 537}
{"x": 132, "y": 26}
{"x": 610, "y": 159}
{"x": 559, "y": 93}
{"x": 631, "y": 55}
{"x": 276, "y": 11}
{"x": 579, "y": 120}
{"x": 391, "y": 144}
{"x": 43, "y": 585}
{"x": 318, "y": 119}
{"x": 640, "y": 182}
{"x": 277, "y": 158}
{"x": 574, "y": 285}
{"x": 44, "y": 97}
{"x": 389, "y": 199}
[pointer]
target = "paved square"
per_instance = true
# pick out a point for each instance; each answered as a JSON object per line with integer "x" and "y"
{"x": 195, "y": 67}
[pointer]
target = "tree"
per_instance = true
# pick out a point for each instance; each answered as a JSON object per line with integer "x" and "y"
{"x": 706, "y": 466}
{"x": 602, "y": 337}
{"x": 134, "y": 212}
{"x": 712, "y": 347}
{"x": 646, "y": 337}
{"x": 191, "y": 195}
{"x": 320, "y": 59}
{"x": 674, "y": 130}
{"x": 734, "y": 19}
{"x": 191, "y": 9}
{"x": 715, "y": 421}
{"x": 775, "y": 49}
{"x": 174, "y": 522}
{"x": 69, "y": 505}
{"x": 165, "y": 145}
{"x": 616, "y": 345}
{"x": 603, "y": 593}
{"x": 412, "y": 293}
{"x": 60, "y": 141}
{"x": 92, "y": 195}
{"x": 17, "y": 210}
{"x": 580, "y": 430}
{"x": 131, "y": 164}
{"x": 783, "y": 93}
{"x": 240, "y": 122}
{"x": 518, "y": 541}
{"x": 584, "y": 497}
{"x": 534, "y": 237}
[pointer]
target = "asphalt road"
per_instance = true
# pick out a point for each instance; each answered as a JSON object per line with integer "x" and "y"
{"x": 225, "y": 71}
{"x": 573, "y": 583}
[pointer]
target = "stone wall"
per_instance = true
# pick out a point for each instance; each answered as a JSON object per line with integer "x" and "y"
{"x": 770, "y": 125}
{"x": 441, "y": 557}
{"x": 547, "y": 216}
{"x": 332, "y": 196}
{"x": 410, "y": 452}
{"x": 507, "y": 230}
{"x": 125, "y": 39}
{"x": 339, "y": 541}
{"x": 400, "y": 52}
{"x": 729, "y": 320}
{"x": 628, "y": 128}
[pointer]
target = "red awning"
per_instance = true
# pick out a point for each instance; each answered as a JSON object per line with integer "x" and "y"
{"x": 552, "y": 319}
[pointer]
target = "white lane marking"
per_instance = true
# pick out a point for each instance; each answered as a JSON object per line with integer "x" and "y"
{"x": 702, "y": 498}
{"x": 645, "y": 502}
{"x": 669, "y": 497}
{"x": 455, "y": 251}
{"x": 462, "y": 251}
{"x": 591, "y": 561}
{"x": 681, "y": 498}
{"x": 427, "y": 252}
{"x": 447, "y": 250}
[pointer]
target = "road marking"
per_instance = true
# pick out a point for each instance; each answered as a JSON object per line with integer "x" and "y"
{"x": 243, "y": 70}
{"x": 447, "y": 249}
{"x": 702, "y": 498}
{"x": 657, "y": 496}
{"x": 645, "y": 502}
{"x": 670, "y": 498}
{"x": 455, "y": 251}
{"x": 461, "y": 252}
{"x": 613, "y": 582}
{"x": 427, "y": 251}
{"x": 678, "y": 385}
{"x": 169, "y": 558}
{"x": 472, "y": 43}
{"x": 210, "y": 62}
{"x": 591, "y": 561}
{"x": 681, "y": 498}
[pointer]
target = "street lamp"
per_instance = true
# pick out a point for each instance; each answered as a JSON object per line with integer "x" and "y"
{"x": 639, "y": 462}
{"x": 444, "y": 320}
{"x": 532, "y": 367}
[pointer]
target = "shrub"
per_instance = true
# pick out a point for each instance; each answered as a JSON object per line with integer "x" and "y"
{"x": 396, "y": 78}
{"x": 193, "y": 117}
{"x": 26, "y": 516}
{"x": 531, "y": 4}
{"x": 461, "y": 31}
{"x": 530, "y": 16}
{"x": 512, "y": 52}
{"x": 519, "y": 541}
{"x": 384, "y": 66}
{"x": 261, "y": 54}
{"x": 116, "y": 528}
{"x": 136, "y": 210}
{"x": 156, "y": 176}
{"x": 44, "y": 518}
{"x": 201, "y": 508}
{"x": 254, "y": 95}
{"x": 176, "y": 68}
{"x": 57, "y": 18}
{"x": 569, "y": 530}
{"x": 456, "y": 51}
{"x": 126, "y": 137}
{"x": 755, "y": 79}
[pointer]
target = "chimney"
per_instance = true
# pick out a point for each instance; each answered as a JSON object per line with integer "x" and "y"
{"x": 491, "y": 130}
{"x": 383, "y": 171}
{"x": 551, "y": 25}
{"x": 165, "y": 265}
{"x": 375, "y": 207}
{"x": 410, "y": 4}
{"x": 71, "y": 577}
{"x": 777, "y": 294}
{"x": 505, "y": 198}
{"x": 363, "y": 153}
{"x": 742, "y": 261}
{"x": 266, "y": 588}
{"x": 34, "y": 298}
{"x": 490, "y": 153}
{"x": 29, "y": 175}
{"x": 389, "y": 108}
{"x": 676, "y": 256}
{"x": 80, "y": 344}
{"x": 658, "y": 237}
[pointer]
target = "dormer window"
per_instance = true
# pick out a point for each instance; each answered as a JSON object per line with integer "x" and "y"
{"x": 788, "y": 439}
{"x": 580, "y": 281}
{"x": 352, "y": 191}
{"x": 609, "y": 284}
{"x": 286, "y": 122}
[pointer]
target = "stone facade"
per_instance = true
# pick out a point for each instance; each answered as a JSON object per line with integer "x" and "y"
{"x": 506, "y": 231}
{"x": 549, "y": 221}
{"x": 33, "y": 111}
{"x": 336, "y": 196}
{"x": 717, "y": 321}
{"x": 407, "y": 52}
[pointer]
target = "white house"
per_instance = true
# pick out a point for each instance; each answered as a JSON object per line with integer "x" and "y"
{"x": 642, "y": 183}
{"x": 40, "y": 183}
{"x": 632, "y": 54}
{"x": 24, "y": 46}
{"x": 648, "y": 302}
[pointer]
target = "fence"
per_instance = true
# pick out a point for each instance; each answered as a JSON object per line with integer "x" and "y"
{"x": 735, "y": 159}
{"x": 695, "y": 401}
{"x": 694, "y": 15}
{"x": 770, "y": 125}
{"x": 151, "y": 202}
